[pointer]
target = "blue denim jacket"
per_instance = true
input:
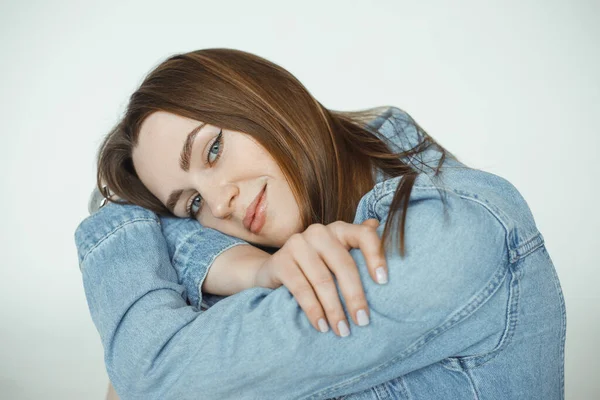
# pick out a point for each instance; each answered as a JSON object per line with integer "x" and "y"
{"x": 473, "y": 311}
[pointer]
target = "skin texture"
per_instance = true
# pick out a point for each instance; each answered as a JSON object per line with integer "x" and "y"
{"x": 236, "y": 172}
{"x": 227, "y": 184}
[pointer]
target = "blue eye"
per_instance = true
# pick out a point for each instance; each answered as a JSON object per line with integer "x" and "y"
{"x": 215, "y": 149}
{"x": 194, "y": 207}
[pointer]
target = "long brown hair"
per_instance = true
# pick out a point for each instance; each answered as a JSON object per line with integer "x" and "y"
{"x": 327, "y": 156}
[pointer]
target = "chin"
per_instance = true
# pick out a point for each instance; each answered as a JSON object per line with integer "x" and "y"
{"x": 273, "y": 240}
{"x": 279, "y": 239}
{"x": 268, "y": 242}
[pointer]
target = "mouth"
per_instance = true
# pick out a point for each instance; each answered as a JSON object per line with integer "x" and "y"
{"x": 257, "y": 212}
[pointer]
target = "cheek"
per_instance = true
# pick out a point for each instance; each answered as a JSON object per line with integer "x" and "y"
{"x": 206, "y": 219}
{"x": 291, "y": 213}
{"x": 227, "y": 226}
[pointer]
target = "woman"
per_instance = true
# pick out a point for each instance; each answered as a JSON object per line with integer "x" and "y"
{"x": 472, "y": 307}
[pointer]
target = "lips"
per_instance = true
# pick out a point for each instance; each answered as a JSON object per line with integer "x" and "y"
{"x": 255, "y": 213}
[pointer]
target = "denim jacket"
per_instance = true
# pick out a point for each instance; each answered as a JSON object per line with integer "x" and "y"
{"x": 474, "y": 309}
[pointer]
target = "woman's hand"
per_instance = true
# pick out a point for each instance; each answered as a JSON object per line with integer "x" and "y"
{"x": 305, "y": 264}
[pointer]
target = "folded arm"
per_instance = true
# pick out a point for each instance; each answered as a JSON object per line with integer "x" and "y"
{"x": 258, "y": 343}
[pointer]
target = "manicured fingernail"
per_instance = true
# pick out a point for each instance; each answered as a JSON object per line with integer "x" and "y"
{"x": 362, "y": 318}
{"x": 344, "y": 331}
{"x": 381, "y": 275}
{"x": 323, "y": 325}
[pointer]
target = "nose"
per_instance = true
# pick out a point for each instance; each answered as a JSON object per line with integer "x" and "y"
{"x": 222, "y": 204}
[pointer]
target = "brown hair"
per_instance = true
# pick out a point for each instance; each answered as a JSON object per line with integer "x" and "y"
{"x": 326, "y": 155}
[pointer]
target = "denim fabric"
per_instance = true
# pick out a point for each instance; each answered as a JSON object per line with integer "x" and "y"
{"x": 473, "y": 311}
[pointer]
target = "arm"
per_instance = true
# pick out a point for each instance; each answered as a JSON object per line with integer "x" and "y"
{"x": 258, "y": 343}
{"x": 203, "y": 257}
{"x": 234, "y": 270}
{"x": 309, "y": 264}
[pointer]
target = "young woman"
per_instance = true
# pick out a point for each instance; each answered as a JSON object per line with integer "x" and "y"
{"x": 247, "y": 221}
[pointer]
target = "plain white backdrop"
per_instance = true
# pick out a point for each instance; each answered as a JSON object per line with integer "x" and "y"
{"x": 511, "y": 87}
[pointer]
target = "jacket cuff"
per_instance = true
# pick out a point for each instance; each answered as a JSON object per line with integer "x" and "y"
{"x": 192, "y": 249}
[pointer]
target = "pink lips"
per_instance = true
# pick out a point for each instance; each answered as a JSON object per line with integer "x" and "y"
{"x": 256, "y": 213}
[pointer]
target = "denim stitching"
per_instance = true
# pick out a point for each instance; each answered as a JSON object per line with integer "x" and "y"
{"x": 478, "y": 300}
{"x": 512, "y": 314}
{"x": 382, "y": 392}
{"x": 529, "y": 246}
{"x": 476, "y": 395}
{"x": 399, "y": 385}
{"x": 182, "y": 251}
{"x": 462, "y": 195}
{"x": 563, "y": 324}
{"x": 112, "y": 232}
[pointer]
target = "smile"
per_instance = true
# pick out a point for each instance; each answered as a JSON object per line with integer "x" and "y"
{"x": 256, "y": 214}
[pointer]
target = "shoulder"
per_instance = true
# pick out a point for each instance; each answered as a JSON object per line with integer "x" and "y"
{"x": 390, "y": 115}
{"x": 398, "y": 128}
{"x": 455, "y": 259}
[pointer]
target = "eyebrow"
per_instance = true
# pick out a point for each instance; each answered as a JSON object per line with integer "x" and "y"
{"x": 186, "y": 151}
{"x": 184, "y": 163}
{"x": 173, "y": 199}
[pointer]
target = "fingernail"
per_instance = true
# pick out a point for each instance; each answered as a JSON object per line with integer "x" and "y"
{"x": 344, "y": 331}
{"x": 362, "y": 318}
{"x": 323, "y": 325}
{"x": 381, "y": 275}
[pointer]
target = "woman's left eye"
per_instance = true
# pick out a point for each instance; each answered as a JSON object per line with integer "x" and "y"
{"x": 215, "y": 149}
{"x": 194, "y": 206}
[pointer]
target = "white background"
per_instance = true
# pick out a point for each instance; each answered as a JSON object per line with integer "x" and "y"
{"x": 511, "y": 87}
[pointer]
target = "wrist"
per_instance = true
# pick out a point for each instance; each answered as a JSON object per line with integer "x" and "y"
{"x": 262, "y": 275}
{"x": 235, "y": 270}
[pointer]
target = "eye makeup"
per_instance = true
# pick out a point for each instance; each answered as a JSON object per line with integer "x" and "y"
{"x": 195, "y": 202}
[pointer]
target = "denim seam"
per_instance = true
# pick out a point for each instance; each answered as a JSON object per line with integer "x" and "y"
{"x": 516, "y": 251}
{"x": 458, "y": 316}
{"x": 563, "y": 323}
{"x": 112, "y": 232}
{"x": 462, "y": 195}
{"x": 181, "y": 251}
{"x": 527, "y": 247}
{"x": 512, "y": 316}
{"x": 467, "y": 372}
{"x": 399, "y": 385}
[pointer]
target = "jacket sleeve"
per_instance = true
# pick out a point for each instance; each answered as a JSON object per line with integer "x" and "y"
{"x": 192, "y": 250}
{"x": 258, "y": 343}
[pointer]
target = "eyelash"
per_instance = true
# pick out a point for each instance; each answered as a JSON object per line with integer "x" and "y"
{"x": 219, "y": 141}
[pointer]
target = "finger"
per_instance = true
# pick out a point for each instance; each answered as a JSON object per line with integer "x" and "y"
{"x": 321, "y": 280}
{"x": 337, "y": 259}
{"x": 372, "y": 222}
{"x": 366, "y": 238}
{"x": 293, "y": 279}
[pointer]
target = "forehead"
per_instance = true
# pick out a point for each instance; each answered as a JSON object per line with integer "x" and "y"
{"x": 156, "y": 154}
{"x": 162, "y": 125}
